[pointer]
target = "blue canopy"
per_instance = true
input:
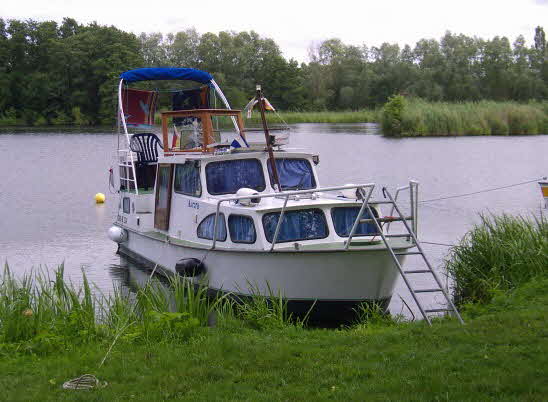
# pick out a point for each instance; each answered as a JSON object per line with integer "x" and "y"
{"x": 166, "y": 73}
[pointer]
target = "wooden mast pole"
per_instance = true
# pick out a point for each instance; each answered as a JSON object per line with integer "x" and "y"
{"x": 269, "y": 138}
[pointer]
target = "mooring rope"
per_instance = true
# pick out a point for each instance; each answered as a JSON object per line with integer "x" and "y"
{"x": 438, "y": 244}
{"x": 483, "y": 191}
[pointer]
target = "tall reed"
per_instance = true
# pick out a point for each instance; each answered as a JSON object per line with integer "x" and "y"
{"x": 421, "y": 118}
{"x": 499, "y": 254}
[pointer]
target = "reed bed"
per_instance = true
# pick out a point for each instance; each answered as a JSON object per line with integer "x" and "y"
{"x": 497, "y": 255}
{"x": 420, "y": 118}
{"x": 44, "y": 311}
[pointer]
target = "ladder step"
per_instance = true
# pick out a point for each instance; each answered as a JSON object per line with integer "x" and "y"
{"x": 418, "y": 271}
{"x": 397, "y": 235}
{"x": 428, "y": 290}
{"x": 438, "y": 310}
{"x": 380, "y": 202}
{"x": 409, "y": 253}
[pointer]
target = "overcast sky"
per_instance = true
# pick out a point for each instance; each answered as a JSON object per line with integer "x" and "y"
{"x": 295, "y": 24}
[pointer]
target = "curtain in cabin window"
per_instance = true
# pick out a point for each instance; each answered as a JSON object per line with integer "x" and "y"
{"x": 207, "y": 226}
{"x": 306, "y": 224}
{"x": 242, "y": 229}
{"x": 294, "y": 174}
{"x": 227, "y": 177}
{"x": 187, "y": 179}
{"x": 344, "y": 217}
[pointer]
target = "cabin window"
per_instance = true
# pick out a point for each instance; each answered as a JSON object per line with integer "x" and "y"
{"x": 207, "y": 226}
{"x": 227, "y": 177}
{"x": 294, "y": 174}
{"x": 344, "y": 217}
{"x": 187, "y": 179}
{"x": 126, "y": 205}
{"x": 242, "y": 229}
{"x": 304, "y": 224}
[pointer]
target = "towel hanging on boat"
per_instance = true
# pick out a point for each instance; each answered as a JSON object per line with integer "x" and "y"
{"x": 139, "y": 106}
{"x": 249, "y": 107}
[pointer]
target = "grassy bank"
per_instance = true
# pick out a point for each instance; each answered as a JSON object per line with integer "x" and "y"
{"x": 157, "y": 345}
{"x": 501, "y": 355}
{"x": 414, "y": 117}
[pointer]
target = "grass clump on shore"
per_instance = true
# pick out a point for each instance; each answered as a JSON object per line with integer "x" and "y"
{"x": 415, "y": 117}
{"x": 40, "y": 313}
{"x": 498, "y": 255}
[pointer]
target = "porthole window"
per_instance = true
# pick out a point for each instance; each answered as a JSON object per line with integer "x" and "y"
{"x": 344, "y": 218}
{"x": 242, "y": 229}
{"x": 126, "y": 203}
{"x": 206, "y": 228}
{"x": 303, "y": 224}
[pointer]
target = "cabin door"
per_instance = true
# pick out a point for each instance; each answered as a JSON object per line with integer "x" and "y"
{"x": 163, "y": 196}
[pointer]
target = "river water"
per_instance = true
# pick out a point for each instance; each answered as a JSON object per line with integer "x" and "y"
{"x": 48, "y": 181}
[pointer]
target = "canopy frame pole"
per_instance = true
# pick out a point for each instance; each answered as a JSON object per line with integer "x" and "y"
{"x": 225, "y": 101}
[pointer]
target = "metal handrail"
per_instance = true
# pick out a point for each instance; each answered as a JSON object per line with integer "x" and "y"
{"x": 413, "y": 188}
{"x": 287, "y": 194}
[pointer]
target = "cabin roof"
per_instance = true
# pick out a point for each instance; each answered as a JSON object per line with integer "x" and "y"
{"x": 181, "y": 158}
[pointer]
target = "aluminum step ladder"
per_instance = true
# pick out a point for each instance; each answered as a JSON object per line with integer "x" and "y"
{"x": 450, "y": 307}
{"x": 129, "y": 166}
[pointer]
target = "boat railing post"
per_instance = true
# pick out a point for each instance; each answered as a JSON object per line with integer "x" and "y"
{"x": 398, "y": 190}
{"x": 359, "y": 217}
{"x": 414, "y": 200}
{"x": 279, "y": 224}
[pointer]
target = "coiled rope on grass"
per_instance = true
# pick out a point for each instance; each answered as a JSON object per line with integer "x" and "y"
{"x": 86, "y": 381}
{"x": 483, "y": 191}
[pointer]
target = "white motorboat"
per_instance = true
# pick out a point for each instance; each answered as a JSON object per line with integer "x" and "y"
{"x": 218, "y": 211}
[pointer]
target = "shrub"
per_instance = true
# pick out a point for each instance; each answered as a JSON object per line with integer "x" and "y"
{"x": 392, "y": 115}
{"x": 499, "y": 254}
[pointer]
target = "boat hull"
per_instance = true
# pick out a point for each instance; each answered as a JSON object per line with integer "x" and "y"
{"x": 334, "y": 283}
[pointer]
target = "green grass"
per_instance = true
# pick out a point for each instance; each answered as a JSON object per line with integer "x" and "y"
{"x": 420, "y": 118}
{"x": 501, "y": 355}
{"x": 499, "y": 254}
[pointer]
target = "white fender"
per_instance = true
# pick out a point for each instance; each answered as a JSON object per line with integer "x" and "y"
{"x": 117, "y": 234}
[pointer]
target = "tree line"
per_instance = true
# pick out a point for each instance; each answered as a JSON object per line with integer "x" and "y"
{"x": 67, "y": 73}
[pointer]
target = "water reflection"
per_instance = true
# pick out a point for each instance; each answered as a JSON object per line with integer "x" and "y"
{"x": 129, "y": 276}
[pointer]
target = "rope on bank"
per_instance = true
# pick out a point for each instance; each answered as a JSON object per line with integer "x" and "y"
{"x": 86, "y": 381}
{"x": 483, "y": 191}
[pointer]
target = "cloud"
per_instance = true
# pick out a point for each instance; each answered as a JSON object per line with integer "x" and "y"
{"x": 542, "y": 2}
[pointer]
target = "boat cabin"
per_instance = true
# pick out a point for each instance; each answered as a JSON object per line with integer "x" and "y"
{"x": 197, "y": 176}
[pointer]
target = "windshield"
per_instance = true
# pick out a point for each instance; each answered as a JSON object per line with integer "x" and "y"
{"x": 227, "y": 177}
{"x": 294, "y": 174}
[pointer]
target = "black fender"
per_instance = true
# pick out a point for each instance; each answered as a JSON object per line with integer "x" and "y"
{"x": 190, "y": 267}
